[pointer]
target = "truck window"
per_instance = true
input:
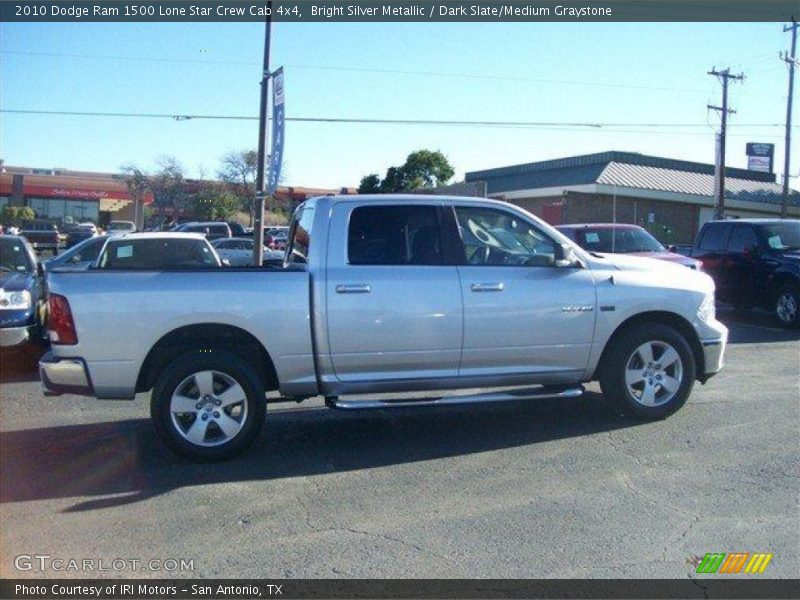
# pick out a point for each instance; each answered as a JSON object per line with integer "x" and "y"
{"x": 301, "y": 234}
{"x": 715, "y": 237}
{"x": 394, "y": 235}
{"x": 499, "y": 238}
{"x": 743, "y": 238}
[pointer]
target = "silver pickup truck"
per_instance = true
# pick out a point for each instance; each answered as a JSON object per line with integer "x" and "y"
{"x": 384, "y": 294}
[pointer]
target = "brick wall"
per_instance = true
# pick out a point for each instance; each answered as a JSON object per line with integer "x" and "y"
{"x": 680, "y": 218}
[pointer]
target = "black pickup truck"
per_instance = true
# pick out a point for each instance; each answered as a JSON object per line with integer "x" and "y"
{"x": 754, "y": 262}
{"x": 42, "y": 235}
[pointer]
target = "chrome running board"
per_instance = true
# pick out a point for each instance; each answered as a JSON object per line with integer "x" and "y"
{"x": 502, "y": 396}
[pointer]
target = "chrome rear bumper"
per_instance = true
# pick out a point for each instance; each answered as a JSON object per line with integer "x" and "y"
{"x": 64, "y": 376}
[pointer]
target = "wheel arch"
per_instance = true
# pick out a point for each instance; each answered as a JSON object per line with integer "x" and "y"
{"x": 206, "y": 336}
{"x": 670, "y": 319}
{"x": 779, "y": 279}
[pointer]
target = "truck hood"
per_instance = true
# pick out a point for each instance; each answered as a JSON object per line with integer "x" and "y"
{"x": 16, "y": 282}
{"x": 651, "y": 271}
{"x": 669, "y": 257}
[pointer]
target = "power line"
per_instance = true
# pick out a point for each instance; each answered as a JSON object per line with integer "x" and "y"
{"x": 480, "y": 76}
{"x": 188, "y": 117}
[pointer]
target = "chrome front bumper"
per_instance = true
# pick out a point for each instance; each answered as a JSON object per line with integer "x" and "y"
{"x": 64, "y": 376}
{"x": 714, "y": 354}
{"x": 14, "y": 336}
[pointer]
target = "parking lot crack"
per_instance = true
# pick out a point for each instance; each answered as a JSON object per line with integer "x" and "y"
{"x": 389, "y": 538}
{"x": 620, "y": 447}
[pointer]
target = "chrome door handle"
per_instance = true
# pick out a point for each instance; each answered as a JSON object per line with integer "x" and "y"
{"x": 353, "y": 288}
{"x": 487, "y": 287}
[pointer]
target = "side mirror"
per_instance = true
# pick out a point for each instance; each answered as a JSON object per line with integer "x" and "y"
{"x": 225, "y": 262}
{"x": 565, "y": 256}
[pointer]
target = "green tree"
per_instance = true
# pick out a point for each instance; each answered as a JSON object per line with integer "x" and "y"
{"x": 423, "y": 168}
{"x": 210, "y": 204}
{"x": 370, "y": 184}
{"x": 15, "y": 216}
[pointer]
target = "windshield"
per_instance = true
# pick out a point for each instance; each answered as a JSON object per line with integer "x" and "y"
{"x": 619, "y": 240}
{"x": 13, "y": 257}
{"x": 120, "y": 226}
{"x": 783, "y": 235}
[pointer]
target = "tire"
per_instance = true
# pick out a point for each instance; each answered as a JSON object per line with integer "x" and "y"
{"x": 199, "y": 412}
{"x": 638, "y": 385}
{"x": 786, "y": 306}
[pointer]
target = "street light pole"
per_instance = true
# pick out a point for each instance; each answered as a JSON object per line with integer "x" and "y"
{"x": 263, "y": 125}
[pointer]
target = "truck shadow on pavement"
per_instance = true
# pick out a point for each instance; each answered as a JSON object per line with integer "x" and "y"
{"x": 117, "y": 463}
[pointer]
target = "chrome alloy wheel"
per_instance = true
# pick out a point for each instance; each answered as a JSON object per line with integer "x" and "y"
{"x": 208, "y": 408}
{"x": 653, "y": 373}
{"x": 786, "y": 307}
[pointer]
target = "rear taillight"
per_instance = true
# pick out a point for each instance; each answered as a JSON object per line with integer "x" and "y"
{"x": 60, "y": 325}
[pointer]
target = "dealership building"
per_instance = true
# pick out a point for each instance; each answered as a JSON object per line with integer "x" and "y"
{"x": 670, "y": 198}
{"x": 66, "y": 196}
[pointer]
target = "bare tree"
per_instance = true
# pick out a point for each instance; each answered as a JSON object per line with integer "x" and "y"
{"x": 238, "y": 171}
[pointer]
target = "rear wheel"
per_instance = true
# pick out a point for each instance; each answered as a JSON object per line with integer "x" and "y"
{"x": 787, "y": 305}
{"x": 208, "y": 405}
{"x": 649, "y": 371}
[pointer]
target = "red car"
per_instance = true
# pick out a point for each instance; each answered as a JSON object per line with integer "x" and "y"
{"x": 623, "y": 238}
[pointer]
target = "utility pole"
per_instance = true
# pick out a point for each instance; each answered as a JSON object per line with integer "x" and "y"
{"x": 724, "y": 76}
{"x": 791, "y": 61}
{"x": 263, "y": 123}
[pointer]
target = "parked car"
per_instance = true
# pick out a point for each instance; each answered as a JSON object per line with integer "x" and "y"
{"x": 80, "y": 233}
{"x": 237, "y": 229}
{"x": 21, "y": 296}
{"x": 239, "y": 252}
{"x": 42, "y": 235}
{"x": 623, "y": 238}
{"x": 385, "y": 294}
{"x": 279, "y": 238}
{"x": 117, "y": 227}
{"x": 213, "y": 230}
{"x": 754, "y": 262}
{"x": 157, "y": 251}
{"x": 78, "y": 258}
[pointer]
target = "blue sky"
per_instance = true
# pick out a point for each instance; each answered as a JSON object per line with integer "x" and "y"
{"x": 563, "y": 72}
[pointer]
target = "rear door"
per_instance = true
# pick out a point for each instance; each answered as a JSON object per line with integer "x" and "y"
{"x": 745, "y": 272}
{"x": 711, "y": 249}
{"x": 522, "y": 314}
{"x": 393, "y": 301}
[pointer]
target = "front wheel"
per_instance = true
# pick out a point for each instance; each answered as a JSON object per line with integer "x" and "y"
{"x": 208, "y": 405}
{"x": 787, "y": 305}
{"x": 649, "y": 371}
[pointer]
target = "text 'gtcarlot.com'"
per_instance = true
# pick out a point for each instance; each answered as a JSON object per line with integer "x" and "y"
{"x": 46, "y": 562}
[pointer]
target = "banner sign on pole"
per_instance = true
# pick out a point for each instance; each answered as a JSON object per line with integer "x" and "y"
{"x": 760, "y": 157}
{"x": 278, "y": 122}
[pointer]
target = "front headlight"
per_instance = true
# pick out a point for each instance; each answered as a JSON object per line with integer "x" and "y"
{"x": 707, "y": 311}
{"x": 15, "y": 300}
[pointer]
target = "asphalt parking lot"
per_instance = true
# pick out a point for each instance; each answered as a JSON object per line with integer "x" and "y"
{"x": 561, "y": 488}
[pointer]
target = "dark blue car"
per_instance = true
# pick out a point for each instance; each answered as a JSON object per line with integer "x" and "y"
{"x": 21, "y": 296}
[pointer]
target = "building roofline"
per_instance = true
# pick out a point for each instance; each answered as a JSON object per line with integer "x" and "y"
{"x": 631, "y": 158}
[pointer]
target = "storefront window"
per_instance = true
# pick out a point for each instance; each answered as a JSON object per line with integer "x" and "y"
{"x": 65, "y": 211}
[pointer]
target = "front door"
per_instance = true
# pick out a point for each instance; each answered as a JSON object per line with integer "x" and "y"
{"x": 522, "y": 314}
{"x": 393, "y": 304}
